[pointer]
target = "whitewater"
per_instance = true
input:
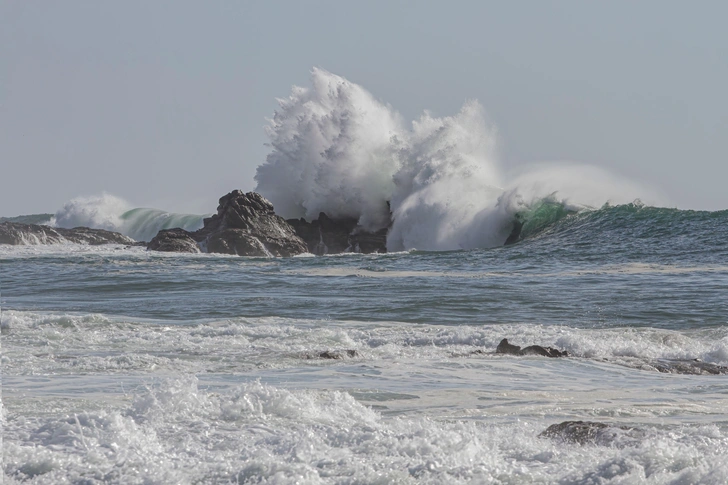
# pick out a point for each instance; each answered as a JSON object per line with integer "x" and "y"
{"x": 127, "y": 366}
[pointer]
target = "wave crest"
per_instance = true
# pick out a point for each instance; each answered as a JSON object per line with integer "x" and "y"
{"x": 112, "y": 213}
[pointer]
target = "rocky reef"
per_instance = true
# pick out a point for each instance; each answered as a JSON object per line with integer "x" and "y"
{"x": 245, "y": 225}
{"x": 16, "y": 233}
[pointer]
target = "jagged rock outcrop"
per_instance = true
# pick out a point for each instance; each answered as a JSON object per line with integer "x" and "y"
{"x": 245, "y": 224}
{"x": 328, "y": 236}
{"x": 505, "y": 348}
{"x": 16, "y": 233}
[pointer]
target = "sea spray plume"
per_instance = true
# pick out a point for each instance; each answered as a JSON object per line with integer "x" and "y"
{"x": 98, "y": 212}
{"x": 333, "y": 151}
{"x": 336, "y": 149}
{"x": 447, "y": 186}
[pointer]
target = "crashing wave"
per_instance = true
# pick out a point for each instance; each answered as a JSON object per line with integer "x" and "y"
{"x": 115, "y": 214}
{"x": 338, "y": 150}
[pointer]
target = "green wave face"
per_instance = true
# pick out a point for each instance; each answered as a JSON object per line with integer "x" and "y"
{"x": 633, "y": 230}
{"x": 143, "y": 224}
{"x": 542, "y": 215}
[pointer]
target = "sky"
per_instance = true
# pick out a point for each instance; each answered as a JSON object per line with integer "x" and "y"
{"x": 164, "y": 103}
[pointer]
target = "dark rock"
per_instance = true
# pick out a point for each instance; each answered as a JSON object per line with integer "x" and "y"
{"x": 174, "y": 240}
{"x": 328, "y": 236}
{"x": 590, "y": 432}
{"x": 695, "y": 367}
{"x": 33, "y": 234}
{"x": 505, "y": 348}
{"x": 544, "y": 351}
{"x": 338, "y": 355}
{"x": 235, "y": 241}
{"x": 29, "y": 219}
{"x": 245, "y": 225}
{"x": 93, "y": 237}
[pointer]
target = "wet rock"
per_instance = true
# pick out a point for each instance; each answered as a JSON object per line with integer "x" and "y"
{"x": 506, "y": 348}
{"x": 245, "y": 225}
{"x": 338, "y": 354}
{"x": 695, "y": 367}
{"x": 174, "y": 240}
{"x": 328, "y": 236}
{"x": 590, "y": 432}
{"x": 15, "y": 233}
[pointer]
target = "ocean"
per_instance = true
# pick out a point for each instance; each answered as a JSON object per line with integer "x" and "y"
{"x": 126, "y": 366}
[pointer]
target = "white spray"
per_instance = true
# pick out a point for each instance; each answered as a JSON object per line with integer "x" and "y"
{"x": 336, "y": 149}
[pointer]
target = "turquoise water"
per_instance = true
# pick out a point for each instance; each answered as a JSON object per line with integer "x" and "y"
{"x": 127, "y": 366}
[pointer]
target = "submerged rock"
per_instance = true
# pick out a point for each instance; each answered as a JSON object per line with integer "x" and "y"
{"x": 694, "y": 366}
{"x": 16, "y": 233}
{"x": 505, "y": 348}
{"x": 245, "y": 225}
{"x": 590, "y": 432}
{"x": 328, "y": 236}
{"x": 338, "y": 355}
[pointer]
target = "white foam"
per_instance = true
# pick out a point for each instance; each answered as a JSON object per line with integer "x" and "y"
{"x": 101, "y": 343}
{"x": 176, "y": 432}
{"x": 99, "y": 212}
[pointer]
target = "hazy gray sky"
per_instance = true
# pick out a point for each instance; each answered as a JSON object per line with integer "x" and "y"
{"x": 164, "y": 103}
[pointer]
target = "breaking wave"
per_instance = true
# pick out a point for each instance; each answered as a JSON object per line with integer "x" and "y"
{"x": 437, "y": 181}
{"x": 114, "y": 214}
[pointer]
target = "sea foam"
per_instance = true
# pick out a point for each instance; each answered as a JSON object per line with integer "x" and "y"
{"x": 178, "y": 432}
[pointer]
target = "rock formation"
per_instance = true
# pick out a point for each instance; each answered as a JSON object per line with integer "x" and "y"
{"x": 327, "y": 236}
{"x": 16, "y": 233}
{"x": 245, "y": 224}
{"x": 174, "y": 240}
{"x": 505, "y": 348}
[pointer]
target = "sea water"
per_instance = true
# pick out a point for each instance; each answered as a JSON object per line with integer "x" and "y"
{"x": 127, "y": 366}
